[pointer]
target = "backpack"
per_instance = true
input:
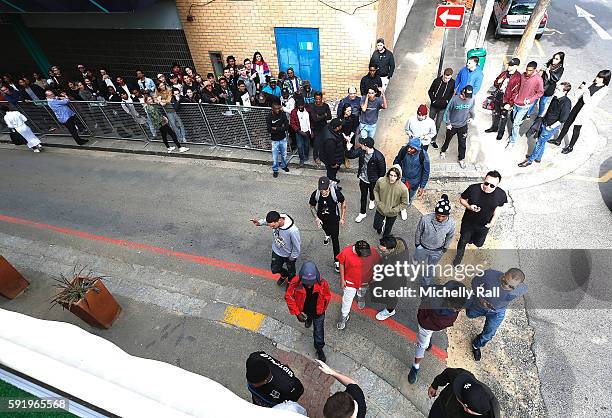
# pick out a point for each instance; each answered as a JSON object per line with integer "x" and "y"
{"x": 332, "y": 192}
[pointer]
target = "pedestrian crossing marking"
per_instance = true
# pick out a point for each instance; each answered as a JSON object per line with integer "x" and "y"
{"x": 243, "y": 318}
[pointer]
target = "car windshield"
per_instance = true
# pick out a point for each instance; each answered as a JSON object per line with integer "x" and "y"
{"x": 521, "y": 8}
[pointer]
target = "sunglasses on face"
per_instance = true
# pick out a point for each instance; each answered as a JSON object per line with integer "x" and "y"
{"x": 491, "y": 185}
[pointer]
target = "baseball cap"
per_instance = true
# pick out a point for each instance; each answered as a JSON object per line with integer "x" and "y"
{"x": 467, "y": 91}
{"x": 422, "y": 110}
{"x": 257, "y": 371}
{"x": 309, "y": 273}
{"x": 472, "y": 393}
{"x": 323, "y": 183}
{"x": 368, "y": 142}
{"x": 362, "y": 248}
{"x": 272, "y": 80}
{"x": 514, "y": 62}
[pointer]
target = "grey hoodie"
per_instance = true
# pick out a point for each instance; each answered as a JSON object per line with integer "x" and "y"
{"x": 459, "y": 111}
{"x": 434, "y": 235}
{"x": 286, "y": 239}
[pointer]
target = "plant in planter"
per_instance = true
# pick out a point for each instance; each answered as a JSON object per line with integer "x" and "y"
{"x": 85, "y": 295}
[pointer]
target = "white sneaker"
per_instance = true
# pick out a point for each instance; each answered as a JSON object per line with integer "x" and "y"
{"x": 443, "y": 156}
{"x": 337, "y": 266}
{"x": 462, "y": 163}
{"x": 342, "y": 324}
{"x": 326, "y": 240}
{"x": 372, "y": 204}
{"x": 183, "y": 149}
{"x": 360, "y": 217}
{"x": 384, "y": 314}
{"x": 170, "y": 149}
{"x": 404, "y": 213}
{"x": 36, "y": 150}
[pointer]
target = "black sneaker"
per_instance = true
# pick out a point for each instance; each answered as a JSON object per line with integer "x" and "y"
{"x": 308, "y": 322}
{"x": 321, "y": 355}
{"x": 476, "y": 352}
{"x": 434, "y": 145}
{"x": 326, "y": 240}
{"x": 491, "y": 129}
{"x": 275, "y": 174}
{"x": 412, "y": 375}
{"x": 286, "y": 169}
{"x": 280, "y": 281}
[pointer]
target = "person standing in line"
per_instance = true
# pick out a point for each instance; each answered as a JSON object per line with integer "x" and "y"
{"x": 383, "y": 58}
{"x": 588, "y": 99}
{"x": 15, "y": 120}
{"x": 350, "y": 403}
{"x": 372, "y": 166}
{"x": 422, "y": 127}
{"x": 293, "y": 82}
{"x": 392, "y": 250}
{"x": 370, "y": 106}
{"x": 145, "y": 84}
{"x": 277, "y": 127}
{"x": 247, "y": 80}
{"x": 440, "y": 92}
{"x": 286, "y": 244}
{"x": 332, "y": 149}
{"x": 307, "y": 298}
{"x": 371, "y": 79}
{"x": 64, "y": 114}
{"x": 356, "y": 267}
{"x": 470, "y": 75}
{"x": 262, "y": 69}
{"x": 161, "y": 122}
{"x": 557, "y": 113}
{"x": 320, "y": 114}
{"x": 327, "y": 215}
{"x": 353, "y": 100}
{"x": 435, "y": 314}
{"x": 481, "y": 202}
{"x": 432, "y": 238}
{"x": 459, "y": 113}
{"x": 350, "y": 126}
{"x": 551, "y": 74}
{"x": 253, "y": 75}
{"x": 415, "y": 170}
{"x": 270, "y": 381}
{"x": 391, "y": 196}
{"x": 272, "y": 89}
{"x": 463, "y": 396}
{"x": 531, "y": 90}
{"x": 307, "y": 93}
{"x": 301, "y": 125}
{"x": 510, "y": 286}
{"x": 507, "y": 85}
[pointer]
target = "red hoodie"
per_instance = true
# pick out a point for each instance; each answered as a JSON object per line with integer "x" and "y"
{"x": 295, "y": 296}
{"x": 532, "y": 88}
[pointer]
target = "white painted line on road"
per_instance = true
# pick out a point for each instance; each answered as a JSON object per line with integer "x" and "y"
{"x": 589, "y": 18}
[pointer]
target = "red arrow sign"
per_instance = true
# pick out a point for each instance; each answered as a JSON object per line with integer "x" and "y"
{"x": 449, "y": 16}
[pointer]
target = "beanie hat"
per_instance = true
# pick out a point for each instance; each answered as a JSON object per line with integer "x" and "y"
{"x": 443, "y": 206}
{"x": 257, "y": 371}
{"x": 422, "y": 110}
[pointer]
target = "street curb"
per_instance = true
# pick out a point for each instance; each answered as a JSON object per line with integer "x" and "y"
{"x": 170, "y": 290}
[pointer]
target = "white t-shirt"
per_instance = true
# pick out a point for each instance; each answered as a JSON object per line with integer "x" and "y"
{"x": 304, "y": 119}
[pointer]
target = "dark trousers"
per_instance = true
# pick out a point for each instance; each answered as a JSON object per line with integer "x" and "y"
{"x": 332, "y": 229}
{"x": 461, "y": 140}
{"x": 318, "y": 331}
{"x": 470, "y": 234}
{"x": 566, "y": 125}
{"x": 332, "y": 171}
{"x": 365, "y": 188}
{"x": 500, "y": 120}
{"x": 283, "y": 266}
{"x": 378, "y": 223}
{"x": 303, "y": 146}
{"x": 166, "y": 130}
{"x": 317, "y": 135}
{"x": 70, "y": 124}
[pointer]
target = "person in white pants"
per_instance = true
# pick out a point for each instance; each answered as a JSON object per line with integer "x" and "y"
{"x": 436, "y": 314}
{"x": 356, "y": 266}
{"x": 17, "y": 121}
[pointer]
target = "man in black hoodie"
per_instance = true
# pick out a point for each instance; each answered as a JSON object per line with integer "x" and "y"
{"x": 383, "y": 58}
{"x": 278, "y": 124}
{"x": 332, "y": 147}
{"x": 372, "y": 166}
{"x": 440, "y": 92}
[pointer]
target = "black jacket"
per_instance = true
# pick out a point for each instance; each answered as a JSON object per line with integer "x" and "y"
{"x": 385, "y": 62}
{"x": 558, "y": 110}
{"x": 367, "y": 81}
{"x": 38, "y": 91}
{"x": 284, "y": 386}
{"x": 440, "y": 92}
{"x": 550, "y": 82}
{"x": 332, "y": 147}
{"x": 280, "y": 122}
{"x": 377, "y": 167}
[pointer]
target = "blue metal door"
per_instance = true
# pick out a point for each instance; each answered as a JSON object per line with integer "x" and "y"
{"x": 299, "y": 48}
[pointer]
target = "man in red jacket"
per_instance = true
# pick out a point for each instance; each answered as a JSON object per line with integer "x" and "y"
{"x": 307, "y": 298}
{"x": 507, "y": 84}
{"x": 440, "y": 306}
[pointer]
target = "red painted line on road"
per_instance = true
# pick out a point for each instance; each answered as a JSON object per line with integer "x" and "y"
{"x": 395, "y": 326}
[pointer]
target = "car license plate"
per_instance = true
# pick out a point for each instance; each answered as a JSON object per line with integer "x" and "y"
{"x": 518, "y": 20}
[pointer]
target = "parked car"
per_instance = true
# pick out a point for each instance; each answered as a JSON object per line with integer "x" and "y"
{"x": 511, "y": 17}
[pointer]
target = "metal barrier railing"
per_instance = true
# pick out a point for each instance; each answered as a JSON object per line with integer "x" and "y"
{"x": 194, "y": 123}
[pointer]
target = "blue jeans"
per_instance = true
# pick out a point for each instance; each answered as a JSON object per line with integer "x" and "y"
{"x": 303, "y": 145}
{"x": 428, "y": 259}
{"x": 493, "y": 320}
{"x": 366, "y": 130}
{"x": 538, "y": 150}
{"x": 518, "y": 114}
{"x": 279, "y": 148}
{"x": 318, "y": 332}
{"x": 177, "y": 125}
{"x": 541, "y": 103}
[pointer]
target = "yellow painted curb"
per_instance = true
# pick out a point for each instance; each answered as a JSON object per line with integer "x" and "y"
{"x": 243, "y": 318}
